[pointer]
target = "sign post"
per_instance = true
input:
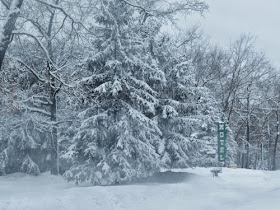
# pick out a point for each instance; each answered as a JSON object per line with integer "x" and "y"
{"x": 222, "y": 142}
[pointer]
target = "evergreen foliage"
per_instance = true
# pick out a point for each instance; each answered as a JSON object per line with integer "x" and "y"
{"x": 117, "y": 137}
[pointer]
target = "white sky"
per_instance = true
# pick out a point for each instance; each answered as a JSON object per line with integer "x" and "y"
{"x": 227, "y": 19}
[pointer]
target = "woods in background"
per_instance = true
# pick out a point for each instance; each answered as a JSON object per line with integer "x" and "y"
{"x": 95, "y": 90}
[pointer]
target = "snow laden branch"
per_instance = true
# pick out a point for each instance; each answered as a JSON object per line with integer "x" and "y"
{"x": 31, "y": 70}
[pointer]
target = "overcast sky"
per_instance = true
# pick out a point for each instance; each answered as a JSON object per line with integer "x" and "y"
{"x": 227, "y": 19}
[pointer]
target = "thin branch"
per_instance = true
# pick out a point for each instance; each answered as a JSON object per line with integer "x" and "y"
{"x": 55, "y": 6}
{"x": 38, "y": 26}
{"x": 36, "y": 39}
{"x": 31, "y": 70}
{"x": 138, "y": 6}
{"x": 5, "y": 3}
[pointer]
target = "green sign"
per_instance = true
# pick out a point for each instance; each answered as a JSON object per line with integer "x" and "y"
{"x": 222, "y": 142}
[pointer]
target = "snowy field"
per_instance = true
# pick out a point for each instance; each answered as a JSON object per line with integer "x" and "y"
{"x": 234, "y": 189}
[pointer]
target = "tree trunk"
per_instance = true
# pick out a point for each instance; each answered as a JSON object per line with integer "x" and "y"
{"x": 54, "y": 143}
{"x": 247, "y": 164}
{"x": 248, "y": 130}
{"x": 270, "y": 151}
{"x": 8, "y": 27}
{"x": 53, "y": 93}
{"x": 243, "y": 160}
{"x": 276, "y": 141}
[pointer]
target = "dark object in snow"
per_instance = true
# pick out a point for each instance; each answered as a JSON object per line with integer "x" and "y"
{"x": 216, "y": 171}
{"x": 167, "y": 177}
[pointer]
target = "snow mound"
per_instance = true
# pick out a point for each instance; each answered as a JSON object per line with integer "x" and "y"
{"x": 180, "y": 189}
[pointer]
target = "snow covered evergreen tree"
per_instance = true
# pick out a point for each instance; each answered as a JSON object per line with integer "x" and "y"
{"x": 189, "y": 112}
{"x": 189, "y": 117}
{"x": 117, "y": 138}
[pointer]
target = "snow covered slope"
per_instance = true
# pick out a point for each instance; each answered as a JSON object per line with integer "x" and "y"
{"x": 234, "y": 189}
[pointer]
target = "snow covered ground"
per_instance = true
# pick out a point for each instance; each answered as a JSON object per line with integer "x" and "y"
{"x": 234, "y": 189}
